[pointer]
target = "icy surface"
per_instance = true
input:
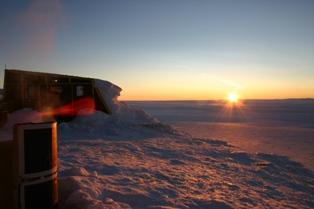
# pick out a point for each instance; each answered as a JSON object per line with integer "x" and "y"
{"x": 295, "y": 142}
{"x": 178, "y": 172}
{"x": 131, "y": 160}
{"x": 283, "y": 127}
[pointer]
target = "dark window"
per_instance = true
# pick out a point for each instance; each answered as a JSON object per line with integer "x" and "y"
{"x": 82, "y": 91}
{"x": 38, "y": 150}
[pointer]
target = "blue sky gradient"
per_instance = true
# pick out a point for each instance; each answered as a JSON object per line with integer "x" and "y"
{"x": 196, "y": 49}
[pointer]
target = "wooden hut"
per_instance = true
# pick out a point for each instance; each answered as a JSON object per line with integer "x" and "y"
{"x": 47, "y": 91}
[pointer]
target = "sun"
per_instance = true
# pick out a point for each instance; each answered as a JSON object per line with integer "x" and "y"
{"x": 233, "y": 98}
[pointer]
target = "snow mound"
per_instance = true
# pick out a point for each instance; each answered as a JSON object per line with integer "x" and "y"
{"x": 78, "y": 193}
{"x": 109, "y": 92}
{"x": 120, "y": 110}
{"x": 124, "y": 122}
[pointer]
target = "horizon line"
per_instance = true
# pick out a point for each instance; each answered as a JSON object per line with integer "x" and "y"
{"x": 186, "y": 100}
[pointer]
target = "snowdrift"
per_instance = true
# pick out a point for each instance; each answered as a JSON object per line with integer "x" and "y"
{"x": 124, "y": 122}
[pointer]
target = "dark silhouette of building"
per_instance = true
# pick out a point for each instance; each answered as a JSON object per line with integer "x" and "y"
{"x": 50, "y": 92}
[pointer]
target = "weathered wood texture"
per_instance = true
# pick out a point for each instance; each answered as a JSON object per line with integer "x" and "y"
{"x": 43, "y": 91}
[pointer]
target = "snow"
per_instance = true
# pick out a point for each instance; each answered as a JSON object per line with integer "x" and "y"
{"x": 131, "y": 160}
{"x": 123, "y": 122}
{"x": 295, "y": 142}
{"x": 120, "y": 110}
{"x": 110, "y": 93}
{"x": 178, "y": 172}
{"x": 127, "y": 124}
{"x": 282, "y": 127}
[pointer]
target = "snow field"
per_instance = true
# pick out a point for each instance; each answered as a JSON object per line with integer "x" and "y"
{"x": 178, "y": 172}
{"x": 131, "y": 160}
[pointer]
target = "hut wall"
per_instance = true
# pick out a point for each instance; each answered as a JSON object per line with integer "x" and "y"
{"x": 42, "y": 91}
{"x": 13, "y": 85}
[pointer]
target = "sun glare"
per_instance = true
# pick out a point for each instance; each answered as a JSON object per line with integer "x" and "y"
{"x": 233, "y": 98}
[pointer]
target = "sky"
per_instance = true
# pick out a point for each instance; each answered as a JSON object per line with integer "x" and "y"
{"x": 167, "y": 49}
